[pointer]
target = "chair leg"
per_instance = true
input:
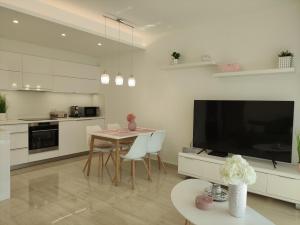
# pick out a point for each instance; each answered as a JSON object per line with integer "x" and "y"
{"x": 107, "y": 158}
{"x": 133, "y": 173}
{"x": 121, "y": 169}
{"x": 161, "y": 162}
{"x": 158, "y": 161}
{"x": 186, "y": 222}
{"x": 99, "y": 161}
{"x": 85, "y": 165}
{"x": 149, "y": 164}
{"x": 147, "y": 169}
{"x": 102, "y": 163}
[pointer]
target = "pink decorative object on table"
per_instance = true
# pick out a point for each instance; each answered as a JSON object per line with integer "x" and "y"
{"x": 131, "y": 122}
{"x": 203, "y": 202}
{"x": 234, "y": 67}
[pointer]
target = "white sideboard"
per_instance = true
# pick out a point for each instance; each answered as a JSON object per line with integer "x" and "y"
{"x": 281, "y": 183}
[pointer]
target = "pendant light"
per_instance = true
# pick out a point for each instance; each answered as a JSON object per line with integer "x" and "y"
{"x": 104, "y": 76}
{"x": 131, "y": 79}
{"x": 119, "y": 79}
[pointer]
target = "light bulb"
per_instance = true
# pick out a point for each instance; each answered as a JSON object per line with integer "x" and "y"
{"x": 104, "y": 78}
{"x": 119, "y": 80}
{"x": 131, "y": 81}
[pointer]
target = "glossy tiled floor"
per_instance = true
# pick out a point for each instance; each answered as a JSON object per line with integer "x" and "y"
{"x": 58, "y": 193}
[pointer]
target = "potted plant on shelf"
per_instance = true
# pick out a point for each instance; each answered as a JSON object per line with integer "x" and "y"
{"x": 285, "y": 59}
{"x": 176, "y": 56}
{"x": 3, "y": 107}
{"x": 237, "y": 173}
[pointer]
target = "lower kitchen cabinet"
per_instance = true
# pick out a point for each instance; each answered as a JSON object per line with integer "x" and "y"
{"x": 18, "y": 156}
{"x": 72, "y": 135}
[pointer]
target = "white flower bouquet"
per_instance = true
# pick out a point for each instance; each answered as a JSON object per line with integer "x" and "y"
{"x": 237, "y": 170}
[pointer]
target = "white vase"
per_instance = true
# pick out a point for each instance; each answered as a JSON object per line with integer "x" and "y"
{"x": 285, "y": 62}
{"x": 175, "y": 61}
{"x": 2, "y": 116}
{"x": 237, "y": 200}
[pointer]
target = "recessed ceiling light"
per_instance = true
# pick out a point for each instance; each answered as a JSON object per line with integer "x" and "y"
{"x": 99, "y": 44}
{"x": 63, "y": 35}
{"x": 15, "y": 21}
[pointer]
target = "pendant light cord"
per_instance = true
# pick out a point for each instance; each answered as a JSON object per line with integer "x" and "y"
{"x": 119, "y": 49}
{"x": 131, "y": 51}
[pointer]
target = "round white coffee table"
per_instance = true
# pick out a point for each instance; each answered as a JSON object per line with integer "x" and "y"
{"x": 183, "y": 197}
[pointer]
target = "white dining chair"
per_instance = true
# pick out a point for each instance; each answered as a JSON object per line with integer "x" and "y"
{"x": 154, "y": 148}
{"x": 100, "y": 147}
{"x": 137, "y": 152}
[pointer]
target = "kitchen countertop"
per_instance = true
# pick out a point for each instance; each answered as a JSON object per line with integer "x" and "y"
{"x": 13, "y": 122}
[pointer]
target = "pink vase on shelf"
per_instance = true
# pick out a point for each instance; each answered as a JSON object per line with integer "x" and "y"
{"x": 132, "y": 125}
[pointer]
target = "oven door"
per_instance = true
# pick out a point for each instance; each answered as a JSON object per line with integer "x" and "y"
{"x": 43, "y": 137}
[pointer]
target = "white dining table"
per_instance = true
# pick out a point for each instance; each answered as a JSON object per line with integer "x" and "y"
{"x": 183, "y": 198}
{"x": 115, "y": 136}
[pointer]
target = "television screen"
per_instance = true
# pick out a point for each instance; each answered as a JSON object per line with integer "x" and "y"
{"x": 262, "y": 129}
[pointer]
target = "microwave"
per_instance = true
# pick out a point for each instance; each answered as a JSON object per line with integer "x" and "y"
{"x": 87, "y": 111}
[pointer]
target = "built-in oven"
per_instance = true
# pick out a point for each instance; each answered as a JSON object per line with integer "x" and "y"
{"x": 43, "y": 137}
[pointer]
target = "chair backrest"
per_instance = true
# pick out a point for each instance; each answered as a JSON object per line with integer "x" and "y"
{"x": 113, "y": 126}
{"x": 90, "y": 130}
{"x": 139, "y": 147}
{"x": 156, "y": 141}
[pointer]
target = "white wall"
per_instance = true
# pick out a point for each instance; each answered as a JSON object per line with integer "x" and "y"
{"x": 30, "y": 104}
{"x": 164, "y": 99}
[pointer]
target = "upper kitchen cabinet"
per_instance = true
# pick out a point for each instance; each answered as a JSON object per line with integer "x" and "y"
{"x": 70, "y": 69}
{"x": 74, "y": 85}
{"x": 10, "y": 80}
{"x": 10, "y": 61}
{"x": 38, "y": 82}
{"x": 38, "y": 65}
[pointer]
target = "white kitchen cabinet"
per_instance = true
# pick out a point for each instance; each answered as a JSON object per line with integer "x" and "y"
{"x": 86, "y": 86}
{"x": 10, "y": 80}
{"x": 72, "y": 135}
{"x": 39, "y": 65}
{"x": 18, "y": 156}
{"x": 18, "y": 143}
{"x": 18, "y": 140}
{"x": 37, "y": 81}
{"x": 71, "y": 69}
{"x": 10, "y": 61}
{"x": 64, "y": 84}
{"x": 75, "y": 85}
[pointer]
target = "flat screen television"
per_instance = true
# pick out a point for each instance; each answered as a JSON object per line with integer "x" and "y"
{"x": 262, "y": 129}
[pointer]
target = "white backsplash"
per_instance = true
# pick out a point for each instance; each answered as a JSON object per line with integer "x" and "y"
{"x": 30, "y": 104}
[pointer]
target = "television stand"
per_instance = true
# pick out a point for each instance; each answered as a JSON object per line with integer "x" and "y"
{"x": 219, "y": 154}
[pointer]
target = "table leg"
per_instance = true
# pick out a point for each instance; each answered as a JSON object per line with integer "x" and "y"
{"x": 90, "y": 154}
{"x": 117, "y": 163}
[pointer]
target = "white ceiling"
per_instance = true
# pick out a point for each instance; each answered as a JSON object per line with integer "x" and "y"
{"x": 42, "y": 32}
{"x": 151, "y": 18}
{"x": 159, "y": 16}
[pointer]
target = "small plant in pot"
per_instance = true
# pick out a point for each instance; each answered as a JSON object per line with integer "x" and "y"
{"x": 176, "y": 56}
{"x": 3, "y": 107}
{"x": 285, "y": 59}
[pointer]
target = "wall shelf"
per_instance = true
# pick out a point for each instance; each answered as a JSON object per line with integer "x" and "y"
{"x": 255, "y": 72}
{"x": 188, "y": 65}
